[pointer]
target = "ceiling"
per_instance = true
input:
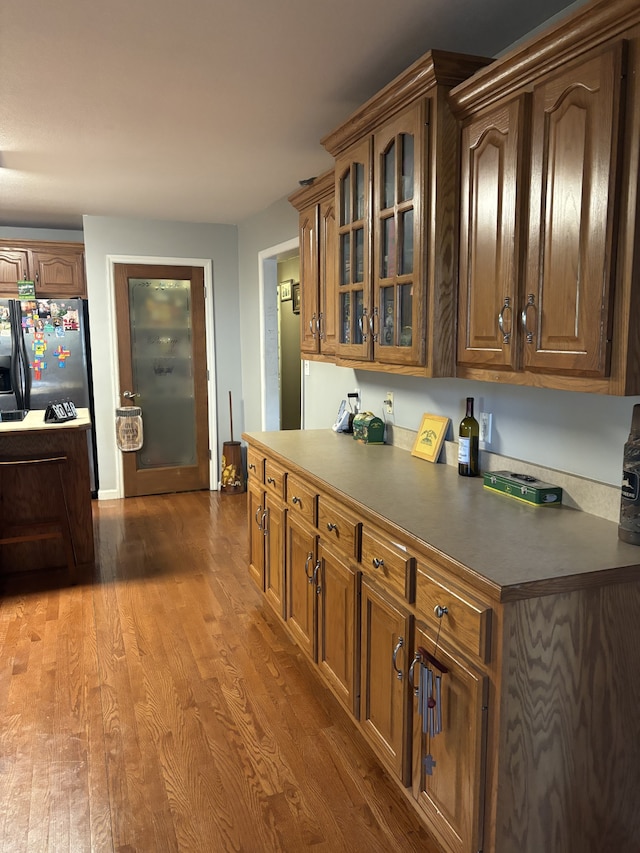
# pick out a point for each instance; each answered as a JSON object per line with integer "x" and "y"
{"x": 202, "y": 110}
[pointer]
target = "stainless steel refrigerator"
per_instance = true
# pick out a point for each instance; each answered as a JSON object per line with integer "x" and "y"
{"x": 45, "y": 357}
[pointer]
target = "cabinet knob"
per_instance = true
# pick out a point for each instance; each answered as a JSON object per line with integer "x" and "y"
{"x": 296, "y": 500}
{"x": 252, "y": 467}
{"x": 440, "y": 611}
{"x": 377, "y": 563}
{"x": 271, "y": 481}
{"x": 331, "y": 526}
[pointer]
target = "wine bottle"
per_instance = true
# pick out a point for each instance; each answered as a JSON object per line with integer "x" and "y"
{"x": 468, "y": 435}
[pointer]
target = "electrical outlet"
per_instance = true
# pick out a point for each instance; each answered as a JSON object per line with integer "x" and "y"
{"x": 485, "y": 427}
{"x": 388, "y": 403}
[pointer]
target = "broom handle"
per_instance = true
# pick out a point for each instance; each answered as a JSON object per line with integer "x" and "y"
{"x": 231, "y": 415}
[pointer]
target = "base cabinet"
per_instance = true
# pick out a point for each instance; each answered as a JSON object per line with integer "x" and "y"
{"x": 302, "y": 584}
{"x": 385, "y": 659}
{"x": 257, "y": 513}
{"x": 449, "y": 742}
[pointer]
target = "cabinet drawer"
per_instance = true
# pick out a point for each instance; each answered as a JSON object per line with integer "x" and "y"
{"x": 337, "y": 525}
{"x": 389, "y": 562}
{"x": 255, "y": 465}
{"x": 301, "y": 499}
{"x": 275, "y": 478}
{"x": 466, "y": 622}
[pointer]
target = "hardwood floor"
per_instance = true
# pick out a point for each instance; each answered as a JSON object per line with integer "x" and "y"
{"x": 160, "y": 706}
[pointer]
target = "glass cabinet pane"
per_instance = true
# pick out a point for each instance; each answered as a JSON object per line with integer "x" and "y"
{"x": 407, "y": 187}
{"x": 358, "y": 238}
{"x": 387, "y": 319}
{"x": 345, "y": 199}
{"x": 389, "y": 176}
{"x": 359, "y": 191}
{"x": 345, "y": 258}
{"x": 406, "y": 315}
{"x": 358, "y": 338}
{"x": 388, "y": 248}
{"x": 345, "y": 318}
{"x": 406, "y": 252}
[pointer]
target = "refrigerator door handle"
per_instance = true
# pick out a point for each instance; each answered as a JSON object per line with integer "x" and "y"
{"x": 26, "y": 369}
{"x": 16, "y": 353}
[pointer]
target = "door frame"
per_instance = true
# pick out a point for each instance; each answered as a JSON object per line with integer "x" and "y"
{"x": 207, "y": 266}
{"x": 270, "y": 337}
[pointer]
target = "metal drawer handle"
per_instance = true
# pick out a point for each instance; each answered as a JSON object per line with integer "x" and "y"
{"x": 263, "y": 523}
{"x": 258, "y": 511}
{"x": 377, "y": 563}
{"x": 314, "y": 580}
{"x": 440, "y": 611}
{"x": 252, "y": 467}
{"x": 270, "y": 480}
{"x": 296, "y": 500}
{"x": 331, "y": 526}
{"x": 506, "y": 335}
{"x": 399, "y": 645}
{"x": 306, "y": 567}
{"x": 416, "y": 659}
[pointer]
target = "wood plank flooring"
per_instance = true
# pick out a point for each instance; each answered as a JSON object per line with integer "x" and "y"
{"x": 160, "y": 706}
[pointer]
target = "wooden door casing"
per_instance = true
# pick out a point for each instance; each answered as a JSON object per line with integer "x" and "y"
{"x": 576, "y": 122}
{"x": 339, "y": 627}
{"x": 165, "y": 479}
{"x": 384, "y": 698}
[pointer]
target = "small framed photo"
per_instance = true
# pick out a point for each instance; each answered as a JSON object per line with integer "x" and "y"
{"x": 285, "y": 290}
{"x": 430, "y": 437}
{"x": 296, "y": 297}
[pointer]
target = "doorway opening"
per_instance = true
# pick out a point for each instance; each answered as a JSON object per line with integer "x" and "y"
{"x": 282, "y": 385}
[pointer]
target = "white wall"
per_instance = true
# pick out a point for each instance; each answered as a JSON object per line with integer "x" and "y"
{"x": 105, "y": 236}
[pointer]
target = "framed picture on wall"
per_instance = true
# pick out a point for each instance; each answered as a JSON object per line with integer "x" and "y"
{"x": 296, "y": 297}
{"x": 285, "y": 290}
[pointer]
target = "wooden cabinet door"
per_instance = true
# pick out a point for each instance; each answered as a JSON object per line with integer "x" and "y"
{"x": 59, "y": 272}
{"x": 256, "y": 512}
{"x": 448, "y": 767}
{"x": 301, "y": 577}
{"x": 353, "y": 273}
{"x": 309, "y": 277}
{"x": 398, "y": 276}
{"x": 491, "y": 181}
{"x": 384, "y": 694}
{"x": 14, "y": 267}
{"x": 328, "y": 294}
{"x": 338, "y": 627}
{"x": 274, "y": 588}
{"x": 576, "y": 123}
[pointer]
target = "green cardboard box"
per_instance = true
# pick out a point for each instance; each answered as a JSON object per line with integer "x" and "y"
{"x": 522, "y": 487}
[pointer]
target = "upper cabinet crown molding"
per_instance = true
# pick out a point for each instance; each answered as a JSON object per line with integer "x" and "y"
{"x": 435, "y": 67}
{"x": 589, "y": 26}
{"x": 314, "y": 192}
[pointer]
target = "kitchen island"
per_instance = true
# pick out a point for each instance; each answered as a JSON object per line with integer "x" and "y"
{"x": 393, "y": 575}
{"x": 27, "y": 496}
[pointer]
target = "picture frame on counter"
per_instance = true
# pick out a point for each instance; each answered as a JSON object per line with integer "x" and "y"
{"x": 285, "y": 290}
{"x": 430, "y": 437}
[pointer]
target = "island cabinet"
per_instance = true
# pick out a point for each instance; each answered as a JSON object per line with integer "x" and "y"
{"x": 548, "y": 219}
{"x": 57, "y": 269}
{"x": 487, "y": 651}
{"x": 395, "y": 199}
{"x": 318, "y": 316}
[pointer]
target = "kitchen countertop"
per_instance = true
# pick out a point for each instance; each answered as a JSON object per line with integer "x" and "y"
{"x": 511, "y": 549}
{"x": 35, "y": 420}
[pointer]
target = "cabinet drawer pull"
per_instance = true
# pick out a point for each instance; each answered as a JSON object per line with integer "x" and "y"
{"x": 306, "y": 567}
{"x": 296, "y": 500}
{"x": 271, "y": 481}
{"x": 331, "y": 526}
{"x": 506, "y": 335}
{"x": 258, "y": 512}
{"x": 416, "y": 659}
{"x": 531, "y": 303}
{"x": 263, "y": 523}
{"x": 316, "y": 569}
{"x": 377, "y": 563}
{"x": 252, "y": 467}
{"x": 399, "y": 645}
{"x": 440, "y": 611}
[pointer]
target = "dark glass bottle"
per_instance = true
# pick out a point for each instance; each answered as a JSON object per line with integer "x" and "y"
{"x": 468, "y": 436}
{"x": 629, "y": 527}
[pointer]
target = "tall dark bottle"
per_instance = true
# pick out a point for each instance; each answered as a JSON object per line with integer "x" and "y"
{"x": 629, "y": 527}
{"x": 468, "y": 435}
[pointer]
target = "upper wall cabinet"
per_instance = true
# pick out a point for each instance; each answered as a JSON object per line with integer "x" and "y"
{"x": 57, "y": 269}
{"x": 316, "y": 207}
{"x": 396, "y": 247}
{"x": 549, "y": 177}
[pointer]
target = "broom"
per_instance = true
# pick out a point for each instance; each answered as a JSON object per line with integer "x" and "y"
{"x": 232, "y": 479}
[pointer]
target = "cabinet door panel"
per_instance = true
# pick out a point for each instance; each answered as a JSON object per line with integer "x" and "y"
{"x": 328, "y": 296}
{"x": 275, "y": 555}
{"x": 338, "y": 625}
{"x": 491, "y": 163}
{"x": 452, "y": 793}
{"x": 384, "y": 697}
{"x": 309, "y": 307}
{"x": 256, "y": 517}
{"x": 14, "y": 266}
{"x": 59, "y": 273}
{"x": 569, "y": 288}
{"x": 301, "y": 587}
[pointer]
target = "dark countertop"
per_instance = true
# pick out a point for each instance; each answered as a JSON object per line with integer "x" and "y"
{"x": 513, "y": 550}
